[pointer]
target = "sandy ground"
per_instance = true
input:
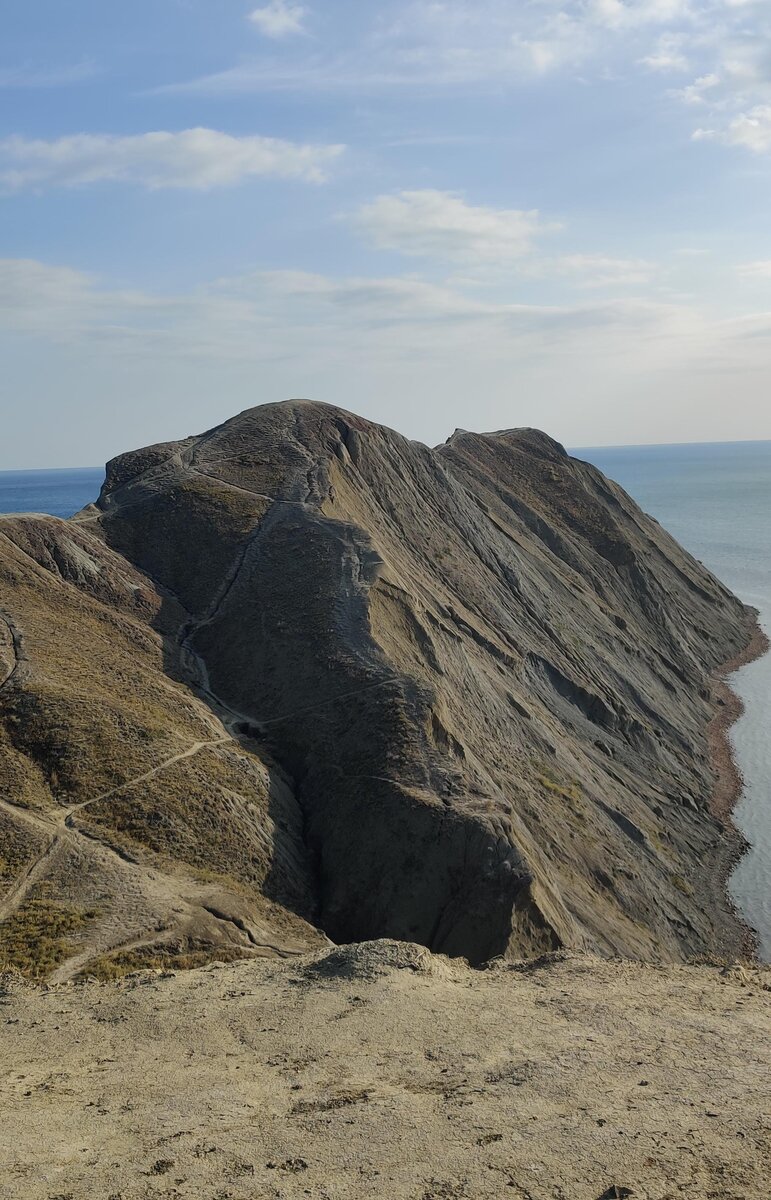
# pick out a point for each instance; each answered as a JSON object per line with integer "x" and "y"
{"x": 382, "y": 1071}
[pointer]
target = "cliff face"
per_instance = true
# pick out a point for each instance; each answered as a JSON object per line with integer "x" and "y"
{"x": 459, "y": 696}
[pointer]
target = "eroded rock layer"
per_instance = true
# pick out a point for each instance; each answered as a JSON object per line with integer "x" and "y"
{"x": 454, "y": 696}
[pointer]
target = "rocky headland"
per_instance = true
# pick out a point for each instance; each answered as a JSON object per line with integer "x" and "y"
{"x": 298, "y": 682}
{"x": 300, "y": 679}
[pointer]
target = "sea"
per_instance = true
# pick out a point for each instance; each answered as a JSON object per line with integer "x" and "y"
{"x": 60, "y": 493}
{"x": 716, "y": 499}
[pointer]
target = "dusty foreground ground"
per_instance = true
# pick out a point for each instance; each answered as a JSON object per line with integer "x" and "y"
{"x": 379, "y": 1070}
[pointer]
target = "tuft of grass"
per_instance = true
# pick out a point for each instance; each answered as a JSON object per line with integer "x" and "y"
{"x": 115, "y": 966}
{"x": 570, "y": 792}
{"x": 36, "y": 939}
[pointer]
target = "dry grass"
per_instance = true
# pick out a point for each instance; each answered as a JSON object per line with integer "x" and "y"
{"x": 93, "y": 710}
{"x": 174, "y": 958}
{"x": 571, "y": 791}
{"x": 36, "y": 939}
{"x": 18, "y": 848}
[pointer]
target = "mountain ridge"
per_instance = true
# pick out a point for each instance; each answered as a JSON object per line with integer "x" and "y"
{"x": 473, "y": 683}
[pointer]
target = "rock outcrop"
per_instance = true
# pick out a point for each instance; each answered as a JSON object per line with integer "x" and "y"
{"x": 301, "y": 674}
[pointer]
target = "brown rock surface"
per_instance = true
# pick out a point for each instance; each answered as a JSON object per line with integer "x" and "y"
{"x": 303, "y": 672}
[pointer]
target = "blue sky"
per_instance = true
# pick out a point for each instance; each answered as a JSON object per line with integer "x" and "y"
{"x": 488, "y": 214}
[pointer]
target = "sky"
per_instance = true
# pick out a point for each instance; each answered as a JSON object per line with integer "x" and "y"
{"x": 471, "y": 213}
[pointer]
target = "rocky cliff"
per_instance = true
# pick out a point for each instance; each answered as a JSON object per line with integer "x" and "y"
{"x": 300, "y": 674}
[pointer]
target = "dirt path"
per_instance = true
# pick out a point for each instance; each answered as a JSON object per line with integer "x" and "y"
{"x": 148, "y": 897}
{"x": 137, "y": 905}
{"x": 149, "y": 887}
{"x": 62, "y": 818}
{"x": 29, "y": 877}
{"x": 196, "y": 748}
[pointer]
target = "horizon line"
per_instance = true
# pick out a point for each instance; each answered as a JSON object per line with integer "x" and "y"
{"x": 571, "y": 450}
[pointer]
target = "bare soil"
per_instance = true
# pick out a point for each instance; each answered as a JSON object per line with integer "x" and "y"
{"x": 380, "y": 1070}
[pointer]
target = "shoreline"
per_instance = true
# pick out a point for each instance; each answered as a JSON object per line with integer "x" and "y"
{"x": 728, "y": 778}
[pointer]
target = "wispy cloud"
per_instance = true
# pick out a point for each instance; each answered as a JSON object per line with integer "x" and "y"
{"x": 193, "y": 158}
{"x": 698, "y": 91}
{"x": 598, "y": 369}
{"x": 634, "y": 14}
{"x": 490, "y": 242}
{"x": 29, "y": 75}
{"x": 253, "y": 315}
{"x": 667, "y": 55}
{"x": 273, "y": 334}
{"x": 599, "y": 270}
{"x": 730, "y": 41}
{"x": 443, "y": 224}
{"x": 749, "y": 130}
{"x": 279, "y": 19}
{"x": 761, "y": 269}
{"x": 482, "y": 44}
{"x": 468, "y": 43}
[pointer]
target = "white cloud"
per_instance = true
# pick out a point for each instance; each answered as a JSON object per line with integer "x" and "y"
{"x": 258, "y": 316}
{"x": 37, "y": 297}
{"x": 441, "y": 224}
{"x": 750, "y": 130}
{"x": 667, "y": 56}
{"x": 761, "y": 269}
{"x": 193, "y": 158}
{"x": 481, "y": 44}
{"x": 697, "y": 92}
{"x": 626, "y": 14}
{"x": 731, "y": 41}
{"x": 279, "y": 19}
{"x": 461, "y": 43}
{"x": 423, "y": 357}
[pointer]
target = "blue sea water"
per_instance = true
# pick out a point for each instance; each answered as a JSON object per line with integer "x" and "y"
{"x": 59, "y": 493}
{"x": 716, "y": 500}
